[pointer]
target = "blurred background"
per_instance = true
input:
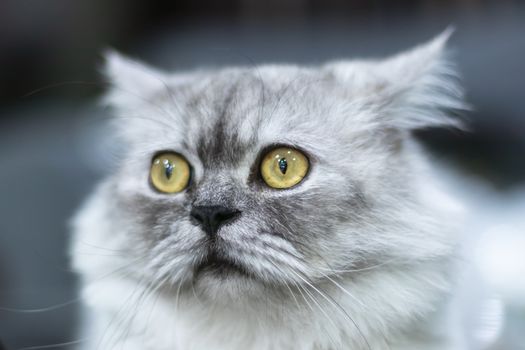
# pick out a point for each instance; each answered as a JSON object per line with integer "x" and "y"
{"x": 51, "y": 130}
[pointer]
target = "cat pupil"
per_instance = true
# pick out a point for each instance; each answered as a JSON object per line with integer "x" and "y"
{"x": 168, "y": 166}
{"x": 283, "y": 165}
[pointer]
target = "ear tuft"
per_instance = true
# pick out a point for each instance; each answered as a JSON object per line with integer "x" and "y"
{"x": 130, "y": 79}
{"x": 415, "y": 89}
{"x": 425, "y": 87}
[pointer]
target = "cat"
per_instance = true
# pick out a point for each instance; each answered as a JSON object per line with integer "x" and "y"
{"x": 274, "y": 207}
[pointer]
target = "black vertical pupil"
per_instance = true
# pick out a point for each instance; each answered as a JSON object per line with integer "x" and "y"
{"x": 168, "y": 166}
{"x": 283, "y": 165}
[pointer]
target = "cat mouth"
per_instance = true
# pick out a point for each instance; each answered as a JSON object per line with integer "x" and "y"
{"x": 220, "y": 267}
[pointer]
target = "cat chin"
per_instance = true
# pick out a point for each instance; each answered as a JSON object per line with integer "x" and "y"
{"x": 226, "y": 285}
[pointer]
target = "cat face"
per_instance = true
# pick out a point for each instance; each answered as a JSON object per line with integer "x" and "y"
{"x": 224, "y": 228}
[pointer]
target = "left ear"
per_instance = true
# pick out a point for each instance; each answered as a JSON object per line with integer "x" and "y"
{"x": 411, "y": 90}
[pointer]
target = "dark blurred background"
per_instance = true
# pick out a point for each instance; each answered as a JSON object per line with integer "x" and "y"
{"x": 51, "y": 129}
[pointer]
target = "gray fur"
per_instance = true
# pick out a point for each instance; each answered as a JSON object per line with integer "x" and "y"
{"x": 358, "y": 215}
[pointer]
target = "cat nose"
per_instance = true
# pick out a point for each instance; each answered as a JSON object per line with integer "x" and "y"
{"x": 212, "y": 217}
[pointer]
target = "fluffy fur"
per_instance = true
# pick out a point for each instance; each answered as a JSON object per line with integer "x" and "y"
{"x": 358, "y": 256}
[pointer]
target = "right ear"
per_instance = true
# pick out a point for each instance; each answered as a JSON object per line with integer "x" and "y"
{"x": 415, "y": 89}
{"x": 131, "y": 81}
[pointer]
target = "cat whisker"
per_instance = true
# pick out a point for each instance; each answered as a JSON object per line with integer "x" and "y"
{"x": 332, "y": 301}
{"x": 127, "y": 321}
{"x": 99, "y": 254}
{"x": 121, "y": 316}
{"x": 118, "y": 318}
{"x": 177, "y": 295}
{"x": 335, "y": 304}
{"x": 98, "y": 84}
{"x": 102, "y": 248}
{"x": 366, "y": 268}
{"x": 150, "y": 290}
{"x": 344, "y": 290}
{"x": 316, "y": 302}
{"x": 291, "y": 293}
{"x": 312, "y": 298}
{"x": 59, "y": 305}
{"x": 64, "y": 83}
{"x": 40, "y": 310}
{"x": 56, "y": 345}
{"x": 105, "y": 338}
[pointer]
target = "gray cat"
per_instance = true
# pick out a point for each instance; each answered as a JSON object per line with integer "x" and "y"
{"x": 273, "y": 207}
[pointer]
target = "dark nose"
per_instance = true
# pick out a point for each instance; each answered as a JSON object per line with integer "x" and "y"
{"x": 212, "y": 217}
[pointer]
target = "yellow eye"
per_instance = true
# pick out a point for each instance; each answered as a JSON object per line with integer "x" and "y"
{"x": 284, "y": 167}
{"x": 170, "y": 172}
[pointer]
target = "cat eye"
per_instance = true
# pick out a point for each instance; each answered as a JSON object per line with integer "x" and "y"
{"x": 170, "y": 172}
{"x": 284, "y": 167}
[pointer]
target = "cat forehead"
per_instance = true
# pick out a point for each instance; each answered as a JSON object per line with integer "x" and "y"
{"x": 226, "y": 114}
{"x": 241, "y": 90}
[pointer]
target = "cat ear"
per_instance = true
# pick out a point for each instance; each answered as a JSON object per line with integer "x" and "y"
{"x": 415, "y": 89}
{"x": 131, "y": 81}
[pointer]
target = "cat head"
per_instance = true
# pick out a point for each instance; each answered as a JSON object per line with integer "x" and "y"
{"x": 243, "y": 180}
